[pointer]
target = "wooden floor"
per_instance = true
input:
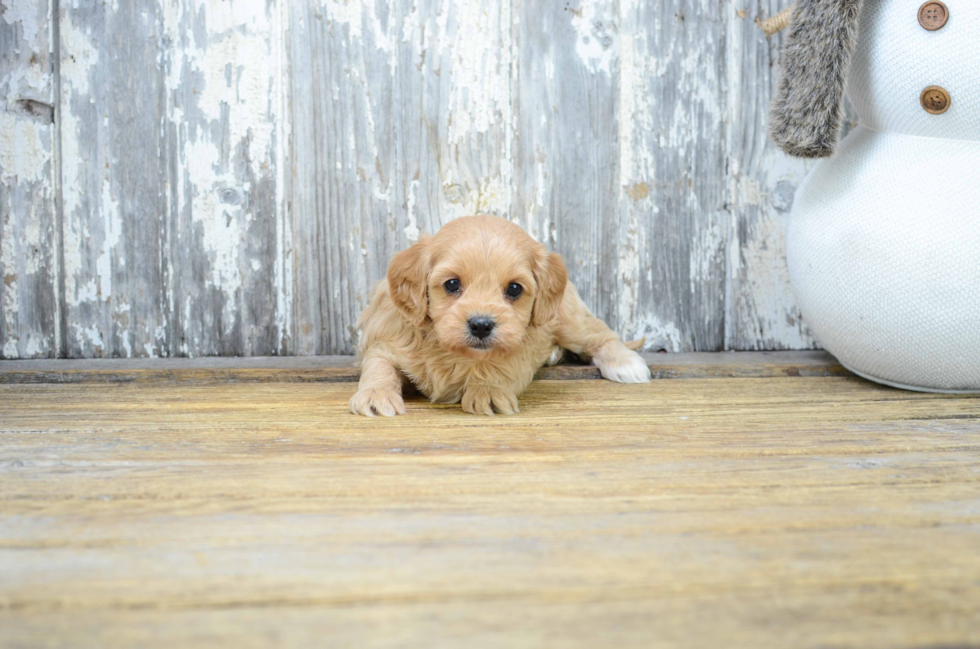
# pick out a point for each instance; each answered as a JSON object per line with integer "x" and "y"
{"x": 798, "y": 508}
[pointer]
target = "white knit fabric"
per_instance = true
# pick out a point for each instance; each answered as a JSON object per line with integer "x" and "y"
{"x": 884, "y": 241}
{"x": 895, "y": 59}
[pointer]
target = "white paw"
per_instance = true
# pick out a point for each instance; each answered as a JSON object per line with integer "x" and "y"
{"x": 377, "y": 401}
{"x": 617, "y": 363}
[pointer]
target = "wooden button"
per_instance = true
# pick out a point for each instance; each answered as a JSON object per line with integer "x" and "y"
{"x": 933, "y": 15}
{"x": 935, "y": 100}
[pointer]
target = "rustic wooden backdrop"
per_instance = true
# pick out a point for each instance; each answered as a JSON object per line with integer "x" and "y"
{"x": 197, "y": 177}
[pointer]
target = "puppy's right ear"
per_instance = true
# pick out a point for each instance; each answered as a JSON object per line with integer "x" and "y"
{"x": 408, "y": 276}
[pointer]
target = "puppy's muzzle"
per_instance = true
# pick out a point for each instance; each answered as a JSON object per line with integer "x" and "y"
{"x": 481, "y": 327}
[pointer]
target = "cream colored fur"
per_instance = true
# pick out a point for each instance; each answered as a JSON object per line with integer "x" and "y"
{"x": 415, "y": 330}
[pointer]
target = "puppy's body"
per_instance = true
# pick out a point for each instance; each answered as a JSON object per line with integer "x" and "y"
{"x": 447, "y": 319}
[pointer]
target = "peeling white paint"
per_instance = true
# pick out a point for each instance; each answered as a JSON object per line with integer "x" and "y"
{"x": 235, "y": 75}
{"x": 8, "y": 258}
{"x": 24, "y": 157}
{"x": 628, "y": 81}
{"x": 29, "y": 81}
{"x": 284, "y": 242}
{"x": 629, "y": 273}
{"x": 112, "y": 233}
{"x": 236, "y": 65}
{"x": 765, "y": 252}
{"x": 706, "y": 253}
{"x": 636, "y": 164}
{"x": 490, "y": 197}
{"x": 766, "y": 306}
{"x": 479, "y": 96}
{"x": 356, "y": 14}
{"x": 25, "y": 13}
{"x": 34, "y": 238}
{"x": 87, "y": 292}
{"x": 21, "y": 241}
{"x": 89, "y": 337}
{"x": 26, "y": 184}
{"x": 412, "y": 229}
{"x": 412, "y": 27}
{"x": 748, "y": 192}
{"x": 347, "y": 12}
{"x": 596, "y": 31}
{"x": 221, "y": 223}
{"x": 539, "y": 224}
{"x": 126, "y": 335}
{"x": 476, "y": 68}
{"x": 658, "y": 334}
{"x": 35, "y": 347}
{"x": 78, "y": 58}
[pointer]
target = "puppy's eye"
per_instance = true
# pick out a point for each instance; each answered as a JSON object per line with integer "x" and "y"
{"x": 514, "y": 290}
{"x": 452, "y": 286}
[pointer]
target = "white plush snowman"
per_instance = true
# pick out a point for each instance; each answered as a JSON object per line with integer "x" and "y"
{"x": 884, "y": 239}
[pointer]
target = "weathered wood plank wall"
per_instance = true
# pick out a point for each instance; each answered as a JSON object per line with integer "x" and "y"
{"x": 29, "y": 227}
{"x": 229, "y": 177}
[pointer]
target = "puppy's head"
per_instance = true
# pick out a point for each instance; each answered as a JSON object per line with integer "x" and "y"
{"x": 481, "y": 281}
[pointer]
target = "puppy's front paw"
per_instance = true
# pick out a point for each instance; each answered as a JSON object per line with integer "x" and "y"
{"x": 618, "y": 363}
{"x": 377, "y": 401}
{"x": 483, "y": 400}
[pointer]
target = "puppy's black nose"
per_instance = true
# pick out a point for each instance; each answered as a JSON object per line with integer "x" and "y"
{"x": 481, "y": 326}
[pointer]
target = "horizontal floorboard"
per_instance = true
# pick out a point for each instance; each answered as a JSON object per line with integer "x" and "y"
{"x": 804, "y": 512}
{"x": 343, "y": 369}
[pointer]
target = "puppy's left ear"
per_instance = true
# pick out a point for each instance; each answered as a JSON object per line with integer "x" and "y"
{"x": 551, "y": 277}
{"x": 408, "y": 275}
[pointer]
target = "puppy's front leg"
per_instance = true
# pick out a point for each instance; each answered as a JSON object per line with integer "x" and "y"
{"x": 485, "y": 398}
{"x": 380, "y": 389}
{"x": 582, "y": 333}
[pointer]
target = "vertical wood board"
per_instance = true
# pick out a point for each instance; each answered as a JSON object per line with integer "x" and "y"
{"x": 114, "y": 171}
{"x": 223, "y": 87}
{"x": 28, "y": 222}
{"x": 762, "y": 310}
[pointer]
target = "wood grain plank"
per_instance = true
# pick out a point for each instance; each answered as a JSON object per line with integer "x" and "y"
{"x": 567, "y": 152}
{"x": 332, "y": 369}
{"x": 774, "y": 512}
{"x": 173, "y": 213}
{"x": 29, "y": 309}
{"x": 673, "y": 149}
{"x": 890, "y": 619}
{"x": 226, "y": 245}
{"x": 622, "y": 160}
{"x": 762, "y": 310}
{"x": 115, "y": 171}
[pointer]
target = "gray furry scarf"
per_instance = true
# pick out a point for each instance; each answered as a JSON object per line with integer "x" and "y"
{"x": 808, "y": 108}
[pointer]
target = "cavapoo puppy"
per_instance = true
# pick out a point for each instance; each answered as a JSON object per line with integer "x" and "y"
{"x": 470, "y": 314}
